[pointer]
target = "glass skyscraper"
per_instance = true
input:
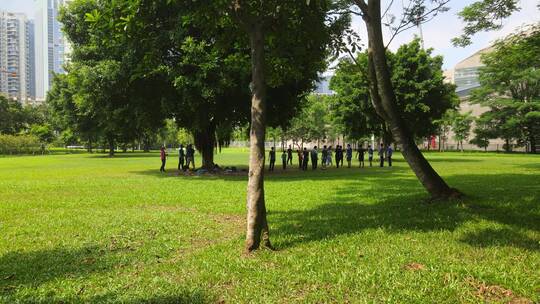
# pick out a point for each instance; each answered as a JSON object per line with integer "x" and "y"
{"x": 49, "y": 46}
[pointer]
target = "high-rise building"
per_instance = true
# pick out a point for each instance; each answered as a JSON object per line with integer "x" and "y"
{"x": 16, "y": 68}
{"x": 31, "y": 26}
{"x": 322, "y": 87}
{"x": 50, "y": 45}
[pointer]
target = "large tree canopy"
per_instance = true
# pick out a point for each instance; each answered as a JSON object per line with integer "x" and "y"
{"x": 422, "y": 95}
{"x": 191, "y": 61}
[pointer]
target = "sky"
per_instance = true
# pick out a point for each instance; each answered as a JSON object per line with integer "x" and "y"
{"x": 437, "y": 33}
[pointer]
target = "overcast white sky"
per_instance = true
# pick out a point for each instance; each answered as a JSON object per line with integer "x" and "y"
{"x": 437, "y": 33}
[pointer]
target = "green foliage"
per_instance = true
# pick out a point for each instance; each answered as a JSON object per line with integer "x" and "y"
{"x": 510, "y": 87}
{"x": 116, "y": 231}
{"x": 12, "y": 120}
{"x": 171, "y": 135}
{"x": 313, "y": 123}
{"x": 418, "y": 80}
{"x": 484, "y": 15}
{"x": 18, "y": 119}
{"x": 351, "y": 108}
{"x": 44, "y": 133}
{"x": 422, "y": 96}
{"x": 461, "y": 125}
{"x": 19, "y": 144}
{"x": 186, "y": 60}
{"x": 102, "y": 97}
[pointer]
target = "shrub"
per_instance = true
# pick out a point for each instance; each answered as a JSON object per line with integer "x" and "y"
{"x": 19, "y": 144}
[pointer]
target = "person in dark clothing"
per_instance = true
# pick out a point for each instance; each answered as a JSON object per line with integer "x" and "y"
{"x": 389, "y": 153}
{"x": 381, "y": 155}
{"x": 284, "y": 159}
{"x": 370, "y": 155}
{"x": 348, "y": 154}
{"x": 341, "y": 153}
{"x": 300, "y": 160}
{"x": 190, "y": 156}
{"x": 181, "y": 158}
{"x": 324, "y": 156}
{"x": 338, "y": 155}
{"x": 163, "y": 156}
{"x": 272, "y": 159}
{"x": 314, "y": 158}
{"x": 360, "y": 154}
{"x": 289, "y": 156}
{"x": 305, "y": 159}
{"x": 329, "y": 156}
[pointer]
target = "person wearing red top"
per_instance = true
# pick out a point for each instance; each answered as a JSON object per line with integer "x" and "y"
{"x": 163, "y": 159}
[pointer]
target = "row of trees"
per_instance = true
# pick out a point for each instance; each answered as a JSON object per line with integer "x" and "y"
{"x": 510, "y": 89}
{"x": 19, "y": 119}
{"x": 422, "y": 96}
{"x": 137, "y": 62}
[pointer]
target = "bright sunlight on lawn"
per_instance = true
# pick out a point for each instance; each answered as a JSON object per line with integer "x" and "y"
{"x": 79, "y": 228}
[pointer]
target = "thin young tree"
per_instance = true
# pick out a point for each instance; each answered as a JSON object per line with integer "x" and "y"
{"x": 383, "y": 93}
{"x": 272, "y": 27}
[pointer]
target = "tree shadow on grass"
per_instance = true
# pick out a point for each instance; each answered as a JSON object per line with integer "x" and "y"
{"x": 293, "y": 174}
{"x": 501, "y": 237}
{"x": 32, "y": 269}
{"x": 534, "y": 166}
{"x": 399, "y": 205}
{"x": 18, "y": 269}
{"x": 122, "y": 155}
{"x": 179, "y": 297}
{"x": 438, "y": 159}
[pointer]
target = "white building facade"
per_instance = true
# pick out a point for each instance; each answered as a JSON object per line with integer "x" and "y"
{"x": 17, "y": 69}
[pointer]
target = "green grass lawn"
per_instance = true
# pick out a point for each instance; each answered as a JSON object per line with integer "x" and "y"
{"x": 87, "y": 228}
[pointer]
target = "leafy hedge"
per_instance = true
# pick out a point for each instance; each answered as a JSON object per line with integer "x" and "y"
{"x": 19, "y": 144}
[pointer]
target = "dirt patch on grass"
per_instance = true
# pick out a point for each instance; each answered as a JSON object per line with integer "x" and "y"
{"x": 233, "y": 221}
{"x": 230, "y": 227}
{"x": 414, "y": 267}
{"x": 495, "y": 293}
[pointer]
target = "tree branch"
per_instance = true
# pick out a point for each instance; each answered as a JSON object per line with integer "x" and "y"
{"x": 363, "y": 6}
{"x": 421, "y": 19}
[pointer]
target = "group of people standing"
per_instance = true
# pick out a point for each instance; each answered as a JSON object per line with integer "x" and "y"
{"x": 328, "y": 154}
{"x": 186, "y": 157}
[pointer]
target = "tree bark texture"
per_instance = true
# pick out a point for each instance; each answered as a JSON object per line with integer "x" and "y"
{"x": 257, "y": 225}
{"x": 205, "y": 141}
{"x": 385, "y": 104}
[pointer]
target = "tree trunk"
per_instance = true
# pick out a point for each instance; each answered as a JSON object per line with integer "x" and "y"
{"x": 257, "y": 225}
{"x": 429, "y": 178}
{"x": 205, "y": 141}
{"x": 532, "y": 142}
{"x": 89, "y": 146}
{"x": 111, "y": 146}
